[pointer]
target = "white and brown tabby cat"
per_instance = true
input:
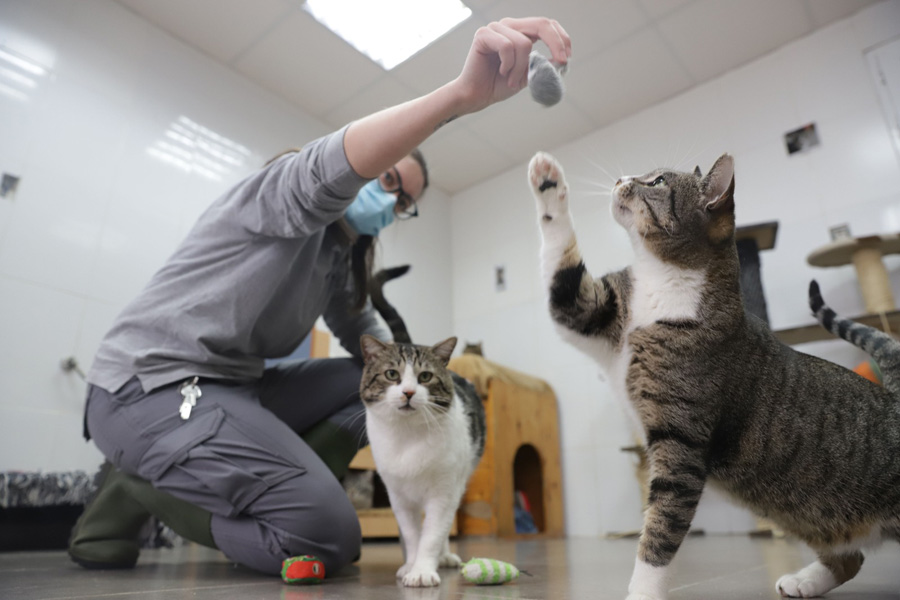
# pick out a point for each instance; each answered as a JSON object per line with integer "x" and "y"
{"x": 426, "y": 426}
{"x": 801, "y": 441}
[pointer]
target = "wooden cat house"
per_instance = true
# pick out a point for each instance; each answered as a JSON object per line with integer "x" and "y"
{"x": 521, "y": 453}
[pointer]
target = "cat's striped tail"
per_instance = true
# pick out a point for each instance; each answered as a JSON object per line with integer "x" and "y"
{"x": 883, "y": 348}
{"x": 387, "y": 310}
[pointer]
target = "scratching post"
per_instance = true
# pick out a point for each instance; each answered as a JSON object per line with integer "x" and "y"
{"x": 865, "y": 253}
{"x": 750, "y": 240}
{"x": 873, "y": 279}
{"x": 751, "y": 284}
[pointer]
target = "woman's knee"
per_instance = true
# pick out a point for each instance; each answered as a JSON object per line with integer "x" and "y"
{"x": 329, "y": 531}
{"x": 319, "y": 520}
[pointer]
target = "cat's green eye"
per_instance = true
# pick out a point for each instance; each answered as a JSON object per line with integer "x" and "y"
{"x": 425, "y": 377}
{"x": 392, "y": 375}
{"x": 659, "y": 180}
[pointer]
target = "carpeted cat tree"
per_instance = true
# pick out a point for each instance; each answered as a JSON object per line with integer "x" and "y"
{"x": 751, "y": 240}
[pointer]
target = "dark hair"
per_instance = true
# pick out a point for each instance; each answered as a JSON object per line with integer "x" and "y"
{"x": 362, "y": 256}
{"x": 420, "y": 158}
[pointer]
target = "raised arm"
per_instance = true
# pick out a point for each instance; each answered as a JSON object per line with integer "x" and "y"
{"x": 496, "y": 68}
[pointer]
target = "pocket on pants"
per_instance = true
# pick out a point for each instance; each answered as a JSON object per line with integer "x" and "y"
{"x": 224, "y": 460}
{"x": 175, "y": 445}
{"x": 238, "y": 482}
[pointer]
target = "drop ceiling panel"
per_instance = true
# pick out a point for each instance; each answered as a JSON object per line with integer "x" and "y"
{"x": 828, "y": 11}
{"x": 520, "y": 126}
{"x": 382, "y": 93}
{"x": 457, "y": 159}
{"x": 658, "y": 8}
{"x": 626, "y": 78}
{"x": 710, "y": 36}
{"x": 221, "y": 28}
{"x": 441, "y": 61}
{"x": 308, "y": 64}
{"x": 591, "y": 25}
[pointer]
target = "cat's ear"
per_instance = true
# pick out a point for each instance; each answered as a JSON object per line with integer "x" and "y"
{"x": 697, "y": 171}
{"x": 718, "y": 186}
{"x": 371, "y": 347}
{"x": 444, "y": 349}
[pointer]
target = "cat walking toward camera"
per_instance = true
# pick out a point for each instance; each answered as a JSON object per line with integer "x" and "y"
{"x": 801, "y": 441}
{"x": 426, "y": 426}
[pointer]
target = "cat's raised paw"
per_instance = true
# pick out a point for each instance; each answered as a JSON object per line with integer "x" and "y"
{"x": 548, "y": 184}
{"x": 421, "y": 578}
{"x": 449, "y": 561}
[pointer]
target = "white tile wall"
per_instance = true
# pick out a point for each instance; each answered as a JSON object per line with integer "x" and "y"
{"x": 851, "y": 178}
{"x": 96, "y": 215}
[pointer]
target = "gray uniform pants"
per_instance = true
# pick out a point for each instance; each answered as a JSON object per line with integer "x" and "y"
{"x": 240, "y": 457}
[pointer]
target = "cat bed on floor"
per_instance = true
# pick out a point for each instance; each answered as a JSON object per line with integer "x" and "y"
{"x": 19, "y": 488}
{"x": 38, "y": 511}
{"x": 521, "y": 454}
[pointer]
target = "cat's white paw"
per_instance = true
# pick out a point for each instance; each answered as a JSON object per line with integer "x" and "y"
{"x": 548, "y": 184}
{"x": 809, "y": 582}
{"x": 449, "y": 561}
{"x": 402, "y": 571}
{"x": 418, "y": 577}
{"x": 641, "y": 597}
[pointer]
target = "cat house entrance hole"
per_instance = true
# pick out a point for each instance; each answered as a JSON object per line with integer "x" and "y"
{"x": 528, "y": 478}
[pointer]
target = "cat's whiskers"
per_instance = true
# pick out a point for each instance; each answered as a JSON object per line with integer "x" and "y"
{"x": 684, "y": 164}
{"x": 430, "y": 413}
{"x": 672, "y": 160}
{"x": 594, "y": 194}
{"x": 593, "y": 183}
{"x": 427, "y": 412}
{"x": 423, "y": 409}
{"x": 691, "y": 158}
{"x": 353, "y": 416}
{"x": 605, "y": 172}
{"x": 351, "y": 421}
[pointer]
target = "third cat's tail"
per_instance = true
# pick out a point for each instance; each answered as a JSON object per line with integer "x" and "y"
{"x": 387, "y": 310}
{"x": 883, "y": 348}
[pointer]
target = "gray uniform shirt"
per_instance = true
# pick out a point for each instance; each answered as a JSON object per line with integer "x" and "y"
{"x": 261, "y": 264}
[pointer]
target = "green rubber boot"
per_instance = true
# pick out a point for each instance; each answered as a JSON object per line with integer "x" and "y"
{"x": 106, "y": 534}
{"x": 187, "y": 520}
{"x": 335, "y": 446}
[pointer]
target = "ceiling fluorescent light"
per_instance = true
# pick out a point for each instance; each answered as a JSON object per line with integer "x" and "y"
{"x": 388, "y": 31}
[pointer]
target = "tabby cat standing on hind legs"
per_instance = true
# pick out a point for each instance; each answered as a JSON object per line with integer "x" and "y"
{"x": 801, "y": 441}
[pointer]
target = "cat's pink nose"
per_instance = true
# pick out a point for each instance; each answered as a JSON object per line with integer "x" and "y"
{"x": 409, "y": 393}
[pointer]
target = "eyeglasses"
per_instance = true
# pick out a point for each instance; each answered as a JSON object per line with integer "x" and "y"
{"x": 391, "y": 182}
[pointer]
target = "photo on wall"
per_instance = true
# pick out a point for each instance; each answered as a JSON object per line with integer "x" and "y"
{"x": 802, "y": 139}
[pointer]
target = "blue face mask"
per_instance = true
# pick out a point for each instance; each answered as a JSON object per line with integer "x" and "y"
{"x": 372, "y": 211}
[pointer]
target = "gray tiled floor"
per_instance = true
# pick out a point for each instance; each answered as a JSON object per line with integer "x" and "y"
{"x": 732, "y": 567}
